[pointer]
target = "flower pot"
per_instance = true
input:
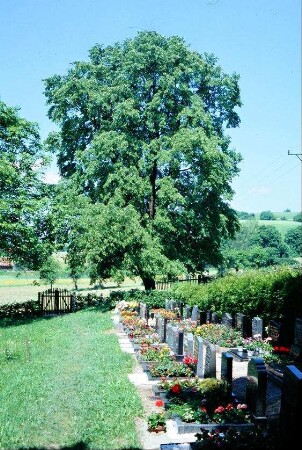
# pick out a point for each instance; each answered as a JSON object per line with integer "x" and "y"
{"x": 157, "y": 429}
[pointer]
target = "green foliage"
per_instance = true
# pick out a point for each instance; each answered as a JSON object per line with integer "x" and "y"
{"x": 293, "y": 238}
{"x": 256, "y": 246}
{"x": 147, "y": 165}
{"x": 50, "y": 270}
{"x": 152, "y": 298}
{"x": 267, "y": 215}
{"x": 268, "y": 294}
{"x": 242, "y": 215}
{"x": 298, "y": 217}
{"x": 23, "y": 197}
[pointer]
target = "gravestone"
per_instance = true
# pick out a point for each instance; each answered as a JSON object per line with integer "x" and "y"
{"x": 188, "y": 311}
{"x": 188, "y": 344}
{"x": 178, "y": 341}
{"x": 227, "y": 367}
{"x": 161, "y": 328}
{"x": 173, "y": 305}
{"x": 274, "y": 329}
{"x": 202, "y": 317}
{"x": 195, "y": 314}
{"x": 198, "y": 354}
{"x": 208, "y": 316}
{"x": 210, "y": 361}
{"x": 215, "y": 318}
{"x": 242, "y": 324}
{"x": 143, "y": 311}
{"x": 181, "y": 310}
{"x": 296, "y": 347}
{"x": 170, "y": 336}
{"x": 257, "y": 327}
{"x": 291, "y": 401}
{"x": 256, "y": 387}
{"x": 167, "y": 304}
{"x": 227, "y": 320}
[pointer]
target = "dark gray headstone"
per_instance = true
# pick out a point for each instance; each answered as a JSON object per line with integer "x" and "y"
{"x": 298, "y": 331}
{"x": 209, "y": 316}
{"x": 256, "y": 387}
{"x": 227, "y": 367}
{"x": 202, "y": 317}
{"x": 257, "y": 327}
{"x": 178, "y": 341}
{"x": 291, "y": 401}
{"x": 274, "y": 329}
{"x": 227, "y": 320}
{"x": 210, "y": 361}
{"x": 161, "y": 328}
{"x": 215, "y": 318}
{"x": 199, "y": 355}
{"x": 170, "y": 336}
{"x": 195, "y": 314}
{"x": 242, "y": 324}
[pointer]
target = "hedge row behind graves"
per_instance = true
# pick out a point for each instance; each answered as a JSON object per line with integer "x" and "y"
{"x": 266, "y": 293}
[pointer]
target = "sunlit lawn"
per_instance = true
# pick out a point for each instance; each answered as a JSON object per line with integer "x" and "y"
{"x": 64, "y": 381}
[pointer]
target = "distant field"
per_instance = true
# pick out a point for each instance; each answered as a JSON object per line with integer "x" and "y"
{"x": 282, "y": 225}
{"x": 21, "y": 288}
{"x": 278, "y": 215}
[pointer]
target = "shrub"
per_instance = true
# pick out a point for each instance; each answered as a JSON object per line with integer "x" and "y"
{"x": 269, "y": 294}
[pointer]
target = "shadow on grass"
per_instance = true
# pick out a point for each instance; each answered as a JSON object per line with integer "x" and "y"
{"x": 16, "y": 321}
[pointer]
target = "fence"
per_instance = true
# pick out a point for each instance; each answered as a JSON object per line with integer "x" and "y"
{"x": 165, "y": 285}
{"x": 56, "y": 301}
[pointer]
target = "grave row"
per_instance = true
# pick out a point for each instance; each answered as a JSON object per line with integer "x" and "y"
{"x": 184, "y": 343}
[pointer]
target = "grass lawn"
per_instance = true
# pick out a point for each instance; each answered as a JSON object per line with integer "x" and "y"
{"x": 64, "y": 382}
{"x": 20, "y": 288}
{"x": 282, "y": 225}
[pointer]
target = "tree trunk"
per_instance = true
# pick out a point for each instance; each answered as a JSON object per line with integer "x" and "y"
{"x": 152, "y": 203}
{"x": 149, "y": 283}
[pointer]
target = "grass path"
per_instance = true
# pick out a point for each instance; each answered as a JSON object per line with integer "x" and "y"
{"x": 64, "y": 381}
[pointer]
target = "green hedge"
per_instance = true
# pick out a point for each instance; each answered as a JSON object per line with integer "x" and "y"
{"x": 153, "y": 299}
{"x": 265, "y": 293}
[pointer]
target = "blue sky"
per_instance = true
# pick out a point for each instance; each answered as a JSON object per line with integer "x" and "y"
{"x": 258, "y": 39}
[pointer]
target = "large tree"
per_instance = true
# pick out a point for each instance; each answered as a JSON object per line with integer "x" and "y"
{"x": 23, "y": 205}
{"x": 143, "y": 137}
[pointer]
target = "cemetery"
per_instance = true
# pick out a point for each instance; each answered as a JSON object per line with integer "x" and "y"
{"x": 209, "y": 395}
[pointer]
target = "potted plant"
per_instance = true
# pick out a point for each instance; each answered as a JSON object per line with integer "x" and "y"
{"x": 156, "y": 422}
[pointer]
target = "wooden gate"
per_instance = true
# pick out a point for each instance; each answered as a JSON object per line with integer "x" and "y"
{"x": 56, "y": 301}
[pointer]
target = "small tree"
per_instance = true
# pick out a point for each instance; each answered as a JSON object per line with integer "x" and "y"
{"x": 293, "y": 239}
{"x": 298, "y": 217}
{"x": 267, "y": 215}
{"x": 50, "y": 271}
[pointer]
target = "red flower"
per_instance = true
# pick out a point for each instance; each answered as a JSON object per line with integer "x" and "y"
{"x": 159, "y": 403}
{"x": 284, "y": 349}
{"x": 203, "y": 409}
{"x": 219, "y": 410}
{"x": 229, "y": 407}
{"x": 176, "y": 389}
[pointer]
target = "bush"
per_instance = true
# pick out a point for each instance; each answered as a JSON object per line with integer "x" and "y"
{"x": 269, "y": 294}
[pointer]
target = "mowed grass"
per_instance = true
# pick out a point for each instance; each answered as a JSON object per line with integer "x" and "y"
{"x": 282, "y": 225}
{"x": 20, "y": 288}
{"x": 64, "y": 382}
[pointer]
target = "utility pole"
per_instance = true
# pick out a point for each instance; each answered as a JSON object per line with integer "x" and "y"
{"x": 295, "y": 154}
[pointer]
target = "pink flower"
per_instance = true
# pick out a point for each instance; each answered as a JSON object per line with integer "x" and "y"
{"x": 241, "y": 406}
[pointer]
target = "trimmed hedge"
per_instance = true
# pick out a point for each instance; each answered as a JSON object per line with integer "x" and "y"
{"x": 266, "y": 293}
{"x": 153, "y": 299}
